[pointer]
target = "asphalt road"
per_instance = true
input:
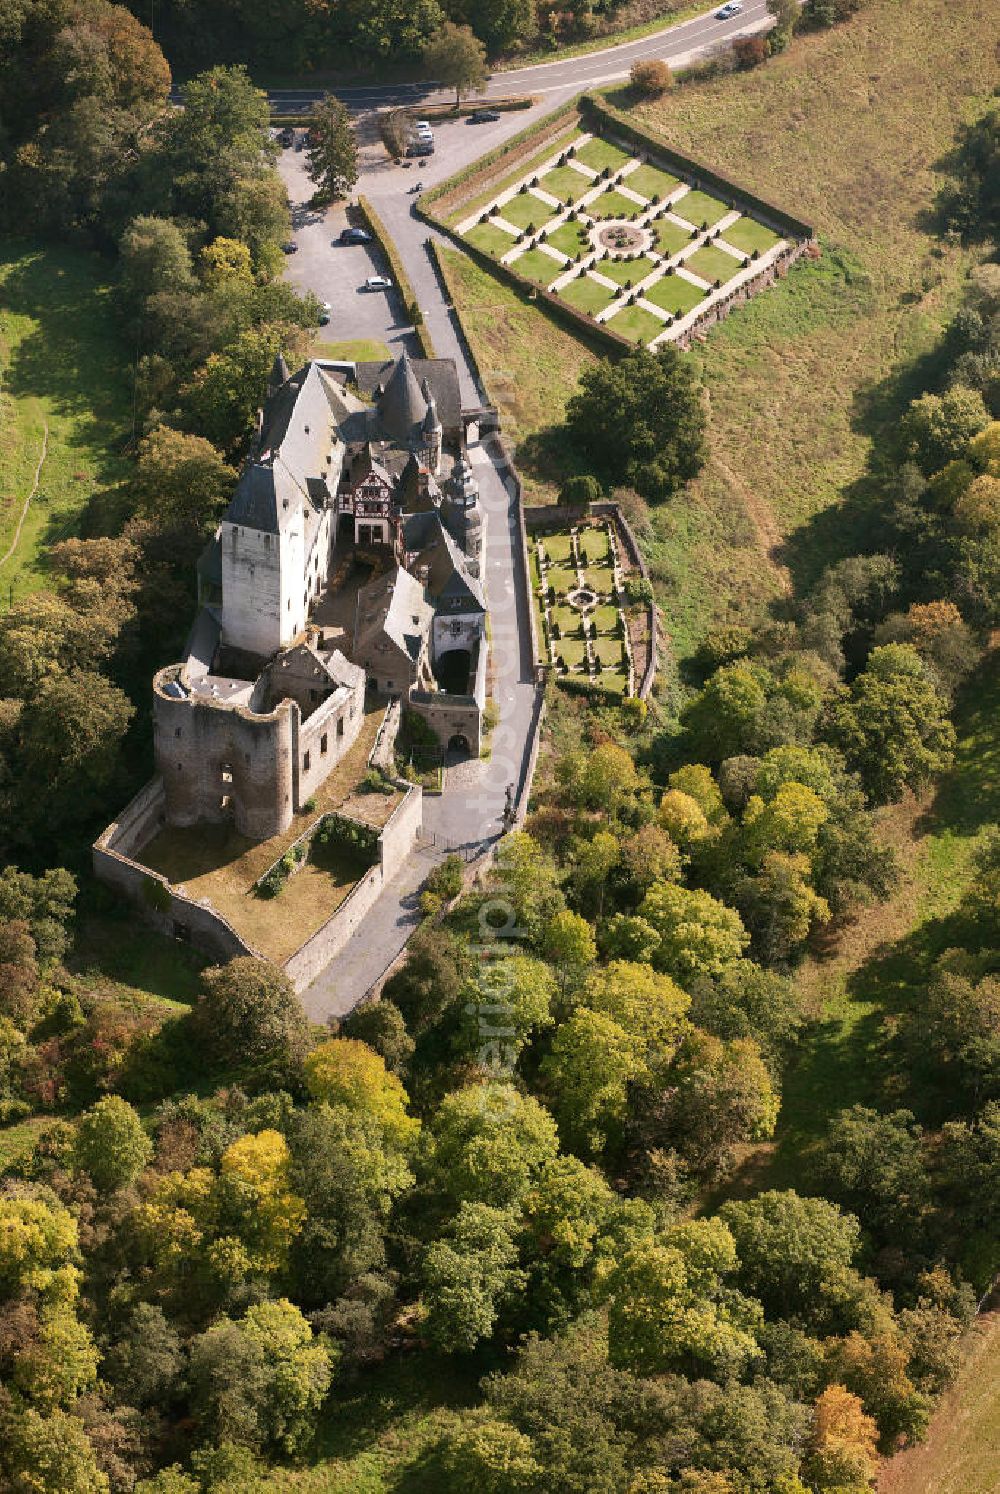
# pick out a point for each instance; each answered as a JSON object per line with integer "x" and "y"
{"x": 674, "y": 44}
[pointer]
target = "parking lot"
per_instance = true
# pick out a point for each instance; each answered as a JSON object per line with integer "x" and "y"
{"x": 337, "y": 272}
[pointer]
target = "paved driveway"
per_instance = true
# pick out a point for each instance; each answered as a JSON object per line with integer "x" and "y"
{"x": 337, "y": 272}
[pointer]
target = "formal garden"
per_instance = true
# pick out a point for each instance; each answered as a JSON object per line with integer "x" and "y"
{"x": 619, "y": 238}
{"x": 579, "y": 585}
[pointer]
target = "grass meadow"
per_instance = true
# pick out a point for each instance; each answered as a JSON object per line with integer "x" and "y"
{"x": 63, "y": 367}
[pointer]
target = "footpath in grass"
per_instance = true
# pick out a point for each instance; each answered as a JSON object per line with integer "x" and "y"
{"x": 62, "y": 366}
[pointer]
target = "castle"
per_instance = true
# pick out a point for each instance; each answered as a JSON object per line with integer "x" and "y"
{"x": 348, "y": 563}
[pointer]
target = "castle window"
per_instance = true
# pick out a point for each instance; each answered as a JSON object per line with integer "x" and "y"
{"x": 246, "y": 758}
{"x": 340, "y": 727}
{"x": 227, "y": 773}
{"x": 323, "y": 743}
{"x": 177, "y": 731}
{"x": 305, "y": 762}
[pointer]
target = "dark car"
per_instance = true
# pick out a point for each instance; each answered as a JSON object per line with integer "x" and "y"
{"x": 290, "y": 247}
{"x": 355, "y": 236}
{"x": 420, "y": 148}
{"x": 286, "y": 136}
{"x": 484, "y": 116}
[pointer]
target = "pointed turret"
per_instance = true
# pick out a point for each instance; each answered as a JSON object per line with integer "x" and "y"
{"x": 402, "y": 406}
{"x": 279, "y": 375}
{"x": 461, "y": 510}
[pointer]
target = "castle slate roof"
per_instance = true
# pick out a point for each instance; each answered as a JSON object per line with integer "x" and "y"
{"x": 292, "y": 461}
{"x": 440, "y": 377}
{"x": 450, "y": 584}
{"x": 393, "y": 605}
{"x": 401, "y": 405}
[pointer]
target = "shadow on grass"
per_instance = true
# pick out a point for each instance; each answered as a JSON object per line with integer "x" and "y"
{"x": 396, "y": 1401}
{"x": 75, "y": 357}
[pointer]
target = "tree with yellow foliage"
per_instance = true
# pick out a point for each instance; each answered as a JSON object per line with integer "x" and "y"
{"x": 346, "y": 1072}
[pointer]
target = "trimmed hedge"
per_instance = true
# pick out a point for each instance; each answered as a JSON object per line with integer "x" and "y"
{"x": 406, "y": 290}
{"x": 605, "y": 114}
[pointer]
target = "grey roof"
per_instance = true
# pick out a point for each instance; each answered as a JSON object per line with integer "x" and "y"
{"x": 402, "y": 406}
{"x": 394, "y": 604}
{"x": 450, "y": 584}
{"x": 440, "y": 376}
{"x": 294, "y": 453}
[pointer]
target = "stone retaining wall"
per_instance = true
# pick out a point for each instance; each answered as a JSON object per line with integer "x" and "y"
{"x": 396, "y": 841}
{"x": 168, "y": 911}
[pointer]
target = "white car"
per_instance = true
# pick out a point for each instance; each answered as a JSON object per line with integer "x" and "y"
{"x": 378, "y": 283}
{"x": 422, "y": 131}
{"x": 730, "y": 9}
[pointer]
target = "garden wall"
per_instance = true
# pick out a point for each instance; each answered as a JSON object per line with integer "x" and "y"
{"x": 396, "y": 841}
{"x": 160, "y": 905}
{"x": 556, "y": 516}
{"x": 602, "y": 115}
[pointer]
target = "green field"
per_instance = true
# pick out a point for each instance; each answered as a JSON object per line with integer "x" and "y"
{"x": 674, "y": 294}
{"x": 565, "y": 182}
{"x": 558, "y": 547}
{"x": 700, "y": 209}
{"x": 651, "y": 182}
{"x": 747, "y": 234}
{"x": 587, "y": 294}
{"x": 712, "y": 264}
{"x": 612, "y": 204}
{"x": 64, "y": 370}
{"x": 621, "y": 270}
{"x": 598, "y": 154}
{"x": 536, "y": 265}
{"x": 489, "y": 237}
{"x": 670, "y": 237}
{"x": 525, "y": 209}
{"x": 353, "y": 350}
{"x": 635, "y": 323}
{"x": 570, "y": 238}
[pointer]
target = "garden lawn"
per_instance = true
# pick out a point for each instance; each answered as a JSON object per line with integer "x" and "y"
{"x": 570, "y": 238}
{"x": 524, "y": 210}
{"x": 490, "y": 238}
{"x": 621, "y": 270}
{"x": 566, "y": 182}
{"x": 747, "y": 234}
{"x": 587, "y": 294}
{"x": 713, "y": 264}
{"x": 536, "y": 265}
{"x": 651, "y": 182}
{"x": 635, "y": 323}
{"x": 526, "y": 167}
{"x": 610, "y": 651}
{"x": 574, "y": 653}
{"x": 568, "y": 619}
{"x": 558, "y": 547}
{"x": 597, "y": 154}
{"x": 352, "y": 350}
{"x": 563, "y": 578}
{"x": 697, "y": 208}
{"x": 606, "y": 618}
{"x": 670, "y": 237}
{"x": 594, "y": 539}
{"x": 674, "y": 294}
{"x": 62, "y": 366}
{"x": 612, "y": 204}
